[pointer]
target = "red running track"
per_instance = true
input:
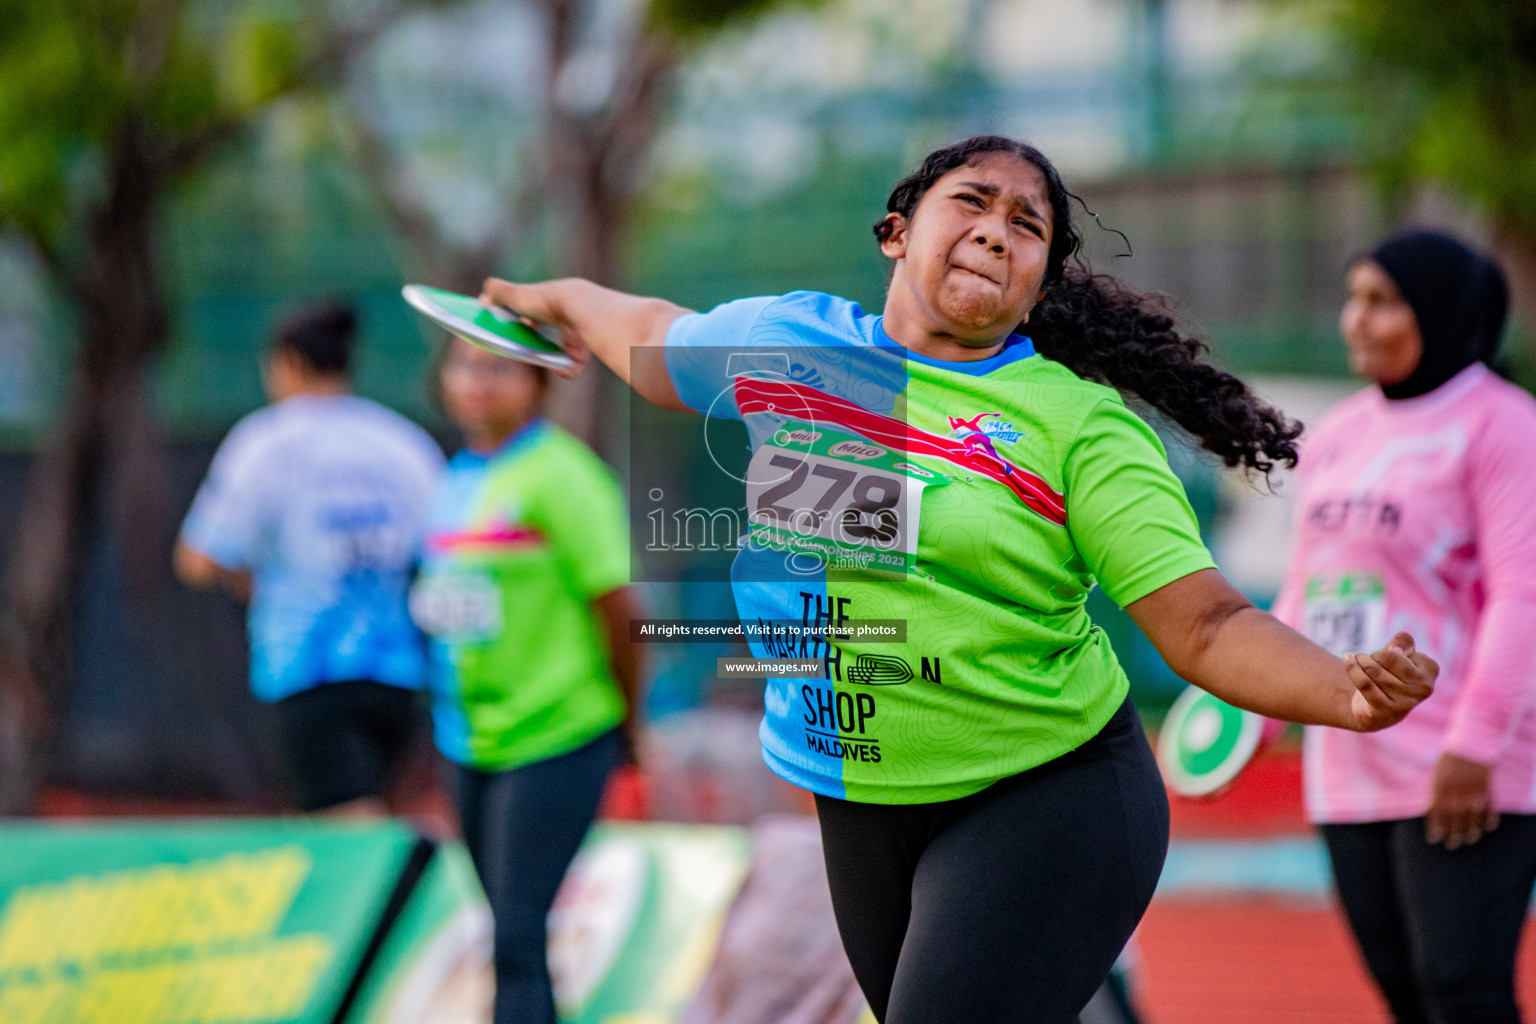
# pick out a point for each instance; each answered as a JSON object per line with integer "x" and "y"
{"x": 1261, "y": 960}
{"x": 1264, "y": 961}
{"x": 1265, "y": 801}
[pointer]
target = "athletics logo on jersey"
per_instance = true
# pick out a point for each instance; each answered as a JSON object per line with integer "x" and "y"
{"x": 960, "y": 429}
{"x": 976, "y": 435}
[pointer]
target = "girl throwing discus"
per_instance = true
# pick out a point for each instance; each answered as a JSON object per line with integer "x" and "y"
{"x": 993, "y": 820}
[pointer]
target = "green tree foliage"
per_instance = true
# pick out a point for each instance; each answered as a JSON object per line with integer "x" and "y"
{"x": 1456, "y": 83}
{"x": 578, "y": 176}
{"x": 105, "y": 105}
{"x": 697, "y": 18}
{"x": 79, "y": 76}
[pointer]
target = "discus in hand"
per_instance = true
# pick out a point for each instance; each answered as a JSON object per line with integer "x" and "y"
{"x": 1205, "y": 743}
{"x": 489, "y": 327}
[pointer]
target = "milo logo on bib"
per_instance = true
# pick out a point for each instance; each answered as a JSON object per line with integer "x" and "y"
{"x": 855, "y": 450}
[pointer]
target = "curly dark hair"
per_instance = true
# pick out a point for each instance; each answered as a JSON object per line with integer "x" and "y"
{"x": 1104, "y": 332}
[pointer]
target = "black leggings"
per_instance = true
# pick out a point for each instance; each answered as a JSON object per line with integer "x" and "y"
{"x": 1006, "y": 906}
{"x": 1439, "y": 928}
{"x": 523, "y": 828}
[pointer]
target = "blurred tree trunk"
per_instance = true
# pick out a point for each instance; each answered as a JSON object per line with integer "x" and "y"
{"x": 590, "y": 149}
{"x": 596, "y": 158}
{"x": 603, "y": 101}
{"x": 101, "y": 454}
{"x": 100, "y": 469}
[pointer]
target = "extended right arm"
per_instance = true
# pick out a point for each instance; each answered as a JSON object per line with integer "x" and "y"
{"x": 1133, "y": 525}
{"x": 1212, "y": 636}
{"x": 607, "y": 323}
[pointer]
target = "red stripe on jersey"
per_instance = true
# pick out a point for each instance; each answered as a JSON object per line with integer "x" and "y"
{"x": 755, "y": 395}
{"x": 491, "y": 537}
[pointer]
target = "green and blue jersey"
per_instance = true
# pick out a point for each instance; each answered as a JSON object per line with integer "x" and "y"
{"x": 979, "y": 502}
{"x": 519, "y": 543}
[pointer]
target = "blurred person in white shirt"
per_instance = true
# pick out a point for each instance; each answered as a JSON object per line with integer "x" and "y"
{"x": 312, "y": 511}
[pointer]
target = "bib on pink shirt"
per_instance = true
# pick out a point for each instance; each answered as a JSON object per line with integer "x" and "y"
{"x": 1420, "y": 515}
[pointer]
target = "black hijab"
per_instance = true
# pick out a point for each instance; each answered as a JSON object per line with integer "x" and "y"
{"x": 1459, "y": 298}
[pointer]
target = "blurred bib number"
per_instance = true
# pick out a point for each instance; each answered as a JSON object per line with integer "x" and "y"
{"x": 462, "y": 607}
{"x": 1346, "y": 614}
{"x": 842, "y": 502}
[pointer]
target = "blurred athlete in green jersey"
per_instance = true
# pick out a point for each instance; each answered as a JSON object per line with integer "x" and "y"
{"x": 523, "y": 589}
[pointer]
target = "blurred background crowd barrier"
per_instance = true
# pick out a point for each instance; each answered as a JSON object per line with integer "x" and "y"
{"x": 252, "y": 921}
{"x": 315, "y": 922}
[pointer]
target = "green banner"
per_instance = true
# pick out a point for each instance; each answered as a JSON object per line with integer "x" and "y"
{"x": 207, "y": 923}
{"x": 434, "y": 966}
{"x": 636, "y": 923}
{"x": 302, "y": 921}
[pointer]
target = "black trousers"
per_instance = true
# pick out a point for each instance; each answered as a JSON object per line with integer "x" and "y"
{"x": 523, "y": 828}
{"x": 1439, "y": 928}
{"x": 1009, "y": 905}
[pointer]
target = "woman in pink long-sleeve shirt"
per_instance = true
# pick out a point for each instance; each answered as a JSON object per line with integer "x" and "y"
{"x": 1417, "y": 511}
